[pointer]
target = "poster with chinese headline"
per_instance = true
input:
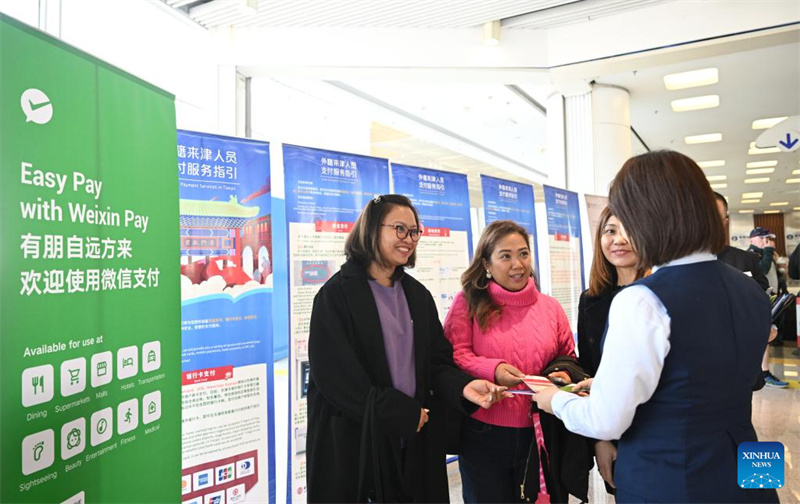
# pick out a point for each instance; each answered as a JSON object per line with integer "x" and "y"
{"x": 565, "y": 250}
{"x": 325, "y": 193}
{"x": 507, "y": 200}
{"x": 444, "y": 251}
{"x": 226, "y": 318}
{"x": 89, "y": 358}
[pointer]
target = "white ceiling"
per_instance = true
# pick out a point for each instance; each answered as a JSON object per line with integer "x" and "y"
{"x": 759, "y": 76}
{"x": 399, "y": 14}
{"x": 754, "y": 83}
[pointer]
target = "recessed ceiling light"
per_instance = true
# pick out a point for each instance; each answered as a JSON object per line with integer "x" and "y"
{"x": 757, "y": 180}
{"x": 713, "y": 178}
{"x": 762, "y": 164}
{"x": 793, "y": 181}
{"x": 719, "y": 186}
{"x": 753, "y": 150}
{"x": 695, "y": 103}
{"x": 711, "y": 164}
{"x": 746, "y": 211}
{"x": 752, "y": 195}
{"x": 759, "y": 171}
{"x": 779, "y": 203}
{"x": 745, "y": 201}
{"x": 695, "y": 78}
{"x": 772, "y": 211}
{"x": 700, "y": 139}
{"x": 767, "y": 123}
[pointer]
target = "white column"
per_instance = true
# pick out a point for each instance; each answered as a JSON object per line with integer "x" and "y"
{"x": 597, "y": 128}
{"x": 50, "y": 17}
{"x": 556, "y": 141}
{"x": 227, "y": 86}
{"x": 611, "y": 130}
{"x": 580, "y": 143}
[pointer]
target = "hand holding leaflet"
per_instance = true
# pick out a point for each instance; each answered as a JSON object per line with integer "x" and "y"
{"x": 539, "y": 383}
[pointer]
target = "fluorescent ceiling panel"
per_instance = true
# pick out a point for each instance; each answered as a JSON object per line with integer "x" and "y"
{"x": 753, "y": 150}
{"x": 695, "y": 103}
{"x": 762, "y": 164}
{"x": 767, "y": 123}
{"x": 701, "y": 139}
{"x": 759, "y": 171}
{"x": 695, "y": 78}
{"x": 711, "y": 164}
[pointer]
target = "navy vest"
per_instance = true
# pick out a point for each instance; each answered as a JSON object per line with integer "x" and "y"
{"x": 682, "y": 444}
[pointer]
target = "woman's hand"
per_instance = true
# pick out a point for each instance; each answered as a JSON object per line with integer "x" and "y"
{"x": 484, "y": 393}
{"x": 423, "y": 418}
{"x": 606, "y": 453}
{"x": 544, "y": 397}
{"x": 583, "y": 386}
{"x": 507, "y": 375}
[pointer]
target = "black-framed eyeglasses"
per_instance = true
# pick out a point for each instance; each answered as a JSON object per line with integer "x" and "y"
{"x": 403, "y": 231}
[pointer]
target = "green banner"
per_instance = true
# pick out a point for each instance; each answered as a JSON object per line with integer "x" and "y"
{"x": 90, "y": 301}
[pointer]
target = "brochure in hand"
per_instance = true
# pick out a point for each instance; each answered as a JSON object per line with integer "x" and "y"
{"x": 539, "y": 383}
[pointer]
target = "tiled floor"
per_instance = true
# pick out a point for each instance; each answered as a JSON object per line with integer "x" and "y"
{"x": 776, "y": 416}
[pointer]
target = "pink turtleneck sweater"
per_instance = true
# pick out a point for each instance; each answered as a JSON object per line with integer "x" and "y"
{"x": 531, "y": 330}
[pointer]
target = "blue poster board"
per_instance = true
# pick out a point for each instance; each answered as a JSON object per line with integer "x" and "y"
{"x": 445, "y": 249}
{"x": 565, "y": 249}
{"x": 441, "y": 198}
{"x": 507, "y": 200}
{"x": 330, "y": 186}
{"x": 325, "y": 193}
{"x": 226, "y": 305}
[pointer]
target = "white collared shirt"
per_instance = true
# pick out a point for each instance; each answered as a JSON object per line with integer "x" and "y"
{"x": 636, "y": 345}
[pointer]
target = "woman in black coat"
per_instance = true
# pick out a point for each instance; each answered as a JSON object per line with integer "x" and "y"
{"x": 382, "y": 371}
{"x": 614, "y": 265}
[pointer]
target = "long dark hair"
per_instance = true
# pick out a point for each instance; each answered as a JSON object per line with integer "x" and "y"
{"x": 667, "y": 207}
{"x": 474, "y": 282}
{"x": 362, "y": 243}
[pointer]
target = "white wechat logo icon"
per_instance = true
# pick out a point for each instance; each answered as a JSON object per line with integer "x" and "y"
{"x": 36, "y": 106}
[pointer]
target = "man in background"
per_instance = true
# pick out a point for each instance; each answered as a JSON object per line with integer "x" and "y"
{"x": 748, "y": 263}
{"x": 762, "y": 245}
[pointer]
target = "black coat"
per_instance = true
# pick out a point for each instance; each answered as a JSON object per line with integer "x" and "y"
{"x": 744, "y": 261}
{"x": 362, "y": 440}
{"x": 592, "y": 320}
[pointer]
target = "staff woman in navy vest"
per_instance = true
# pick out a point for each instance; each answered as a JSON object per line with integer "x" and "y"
{"x": 380, "y": 369}
{"x": 682, "y": 348}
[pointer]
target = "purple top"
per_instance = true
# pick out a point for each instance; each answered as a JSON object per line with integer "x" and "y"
{"x": 398, "y": 335}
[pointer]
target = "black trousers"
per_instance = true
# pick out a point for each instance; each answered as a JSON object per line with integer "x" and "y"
{"x": 492, "y": 462}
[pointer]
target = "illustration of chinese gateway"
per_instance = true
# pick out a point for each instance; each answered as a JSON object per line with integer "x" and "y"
{"x": 224, "y": 238}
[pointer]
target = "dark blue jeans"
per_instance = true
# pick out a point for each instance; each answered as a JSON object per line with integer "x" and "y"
{"x": 492, "y": 462}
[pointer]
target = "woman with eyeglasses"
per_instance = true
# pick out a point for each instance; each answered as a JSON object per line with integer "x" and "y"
{"x": 381, "y": 371}
{"x": 502, "y": 328}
